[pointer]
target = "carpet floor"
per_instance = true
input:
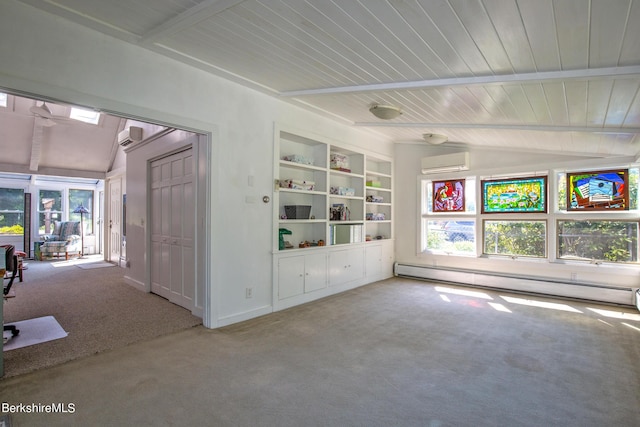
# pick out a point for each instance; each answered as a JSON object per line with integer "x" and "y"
{"x": 95, "y": 306}
{"x": 394, "y": 353}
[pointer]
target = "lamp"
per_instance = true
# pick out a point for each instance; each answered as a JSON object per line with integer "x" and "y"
{"x": 385, "y": 112}
{"x": 81, "y": 210}
{"x": 434, "y": 138}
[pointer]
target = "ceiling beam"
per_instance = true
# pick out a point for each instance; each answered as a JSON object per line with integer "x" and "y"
{"x": 71, "y": 173}
{"x": 545, "y": 76}
{"x": 540, "y": 128}
{"x": 36, "y": 144}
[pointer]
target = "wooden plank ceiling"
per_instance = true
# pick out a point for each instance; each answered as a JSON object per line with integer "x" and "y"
{"x": 553, "y": 75}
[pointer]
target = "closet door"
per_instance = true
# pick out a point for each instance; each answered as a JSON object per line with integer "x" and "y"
{"x": 172, "y": 228}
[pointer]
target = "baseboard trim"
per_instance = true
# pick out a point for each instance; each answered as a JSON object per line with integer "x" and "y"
{"x": 241, "y": 317}
{"x": 135, "y": 283}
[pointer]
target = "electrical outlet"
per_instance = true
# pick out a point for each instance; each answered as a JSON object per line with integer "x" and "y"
{"x": 249, "y": 292}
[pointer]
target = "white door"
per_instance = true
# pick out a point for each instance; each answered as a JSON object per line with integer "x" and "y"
{"x": 115, "y": 219}
{"x": 172, "y": 221}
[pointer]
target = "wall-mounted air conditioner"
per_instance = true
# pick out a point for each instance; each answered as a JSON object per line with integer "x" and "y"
{"x": 130, "y": 135}
{"x": 446, "y": 163}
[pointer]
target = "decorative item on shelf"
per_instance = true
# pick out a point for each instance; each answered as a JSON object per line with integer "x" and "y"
{"x": 375, "y": 199}
{"x": 295, "y": 184}
{"x": 339, "y": 212}
{"x": 297, "y": 211}
{"x": 339, "y": 162}
{"x": 320, "y": 242}
{"x": 375, "y": 216}
{"x": 343, "y": 191}
{"x": 298, "y": 158}
{"x": 304, "y": 244}
{"x": 375, "y": 184}
{"x": 281, "y": 242}
{"x": 368, "y": 238}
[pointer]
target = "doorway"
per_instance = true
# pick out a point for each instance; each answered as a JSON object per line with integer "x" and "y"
{"x": 114, "y": 252}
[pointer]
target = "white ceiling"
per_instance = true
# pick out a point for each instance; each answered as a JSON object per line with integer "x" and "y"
{"x": 61, "y": 146}
{"x": 558, "y": 76}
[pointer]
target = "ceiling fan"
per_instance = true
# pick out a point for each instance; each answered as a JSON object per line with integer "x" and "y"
{"x": 43, "y": 112}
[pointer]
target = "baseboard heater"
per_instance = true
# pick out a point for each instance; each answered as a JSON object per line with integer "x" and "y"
{"x": 528, "y": 285}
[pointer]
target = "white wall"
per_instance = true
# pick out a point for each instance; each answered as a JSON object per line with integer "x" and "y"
{"x": 484, "y": 163}
{"x": 61, "y": 60}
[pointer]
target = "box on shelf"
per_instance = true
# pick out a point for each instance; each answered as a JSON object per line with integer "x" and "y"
{"x": 339, "y": 162}
{"x": 343, "y": 191}
{"x": 297, "y": 184}
{"x": 297, "y": 211}
{"x": 372, "y": 183}
{"x": 375, "y": 199}
{"x": 298, "y": 158}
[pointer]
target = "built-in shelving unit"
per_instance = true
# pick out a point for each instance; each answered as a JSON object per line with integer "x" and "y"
{"x": 334, "y": 206}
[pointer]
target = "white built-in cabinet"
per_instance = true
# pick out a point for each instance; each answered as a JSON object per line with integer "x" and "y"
{"x": 343, "y": 249}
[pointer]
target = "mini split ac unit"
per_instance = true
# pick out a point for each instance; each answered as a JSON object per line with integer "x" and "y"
{"x": 130, "y": 135}
{"x": 446, "y": 163}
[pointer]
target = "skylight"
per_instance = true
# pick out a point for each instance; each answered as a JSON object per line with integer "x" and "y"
{"x": 3, "y": 99}
{"x": 87, "y": 116}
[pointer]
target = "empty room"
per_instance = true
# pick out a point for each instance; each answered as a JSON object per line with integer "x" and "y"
{"x": 413, "y": 213}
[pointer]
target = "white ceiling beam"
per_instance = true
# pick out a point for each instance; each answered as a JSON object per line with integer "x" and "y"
{"x": 36, "y": 144}
{"x": 188, "y": 18}
{"x": 72, "y": 173}
{"x": 545, "y": 76}
{"x": 541, "y": 128}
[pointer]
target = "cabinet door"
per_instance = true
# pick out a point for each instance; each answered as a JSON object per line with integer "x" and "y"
{"x": 290, "y": 276}
{"x": 388, "y": 258}
{"x": 338, "y": 265}
{"x": 373, "y": 257}
{"x": 345, "y": 266}
{"x": 315, "y": 272}
{"x": 356, "y": 264}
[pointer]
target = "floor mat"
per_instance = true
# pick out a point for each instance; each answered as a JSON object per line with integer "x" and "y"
{"x": 35, "y": 331}
{"x": 95, "y": 265}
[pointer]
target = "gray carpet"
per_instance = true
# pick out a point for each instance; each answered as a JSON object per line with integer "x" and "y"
{"x": 397, "y": 352}
{"x": 95, "y": 306}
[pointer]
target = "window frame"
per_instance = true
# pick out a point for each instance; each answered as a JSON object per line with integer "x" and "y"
{"x": 555, "y": 212}
{"x": 24, "y": 191}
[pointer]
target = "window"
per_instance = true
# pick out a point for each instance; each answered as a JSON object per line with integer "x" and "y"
{"x": 49, "y": 210}
{"x": 634, "y": 177}
{"x": 11, "y": 211}
{"x": 84, "y": 198}
{"x": 451, "y": 235}
{"x": 449, "y": 232}
{"x": 3, "y": 99}
{"x": 87, "y": 116}
{"x": 515, "y": 238}
{"x": 598, "y": 240}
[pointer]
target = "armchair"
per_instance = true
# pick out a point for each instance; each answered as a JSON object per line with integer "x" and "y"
{"x": 65, "y": 240}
